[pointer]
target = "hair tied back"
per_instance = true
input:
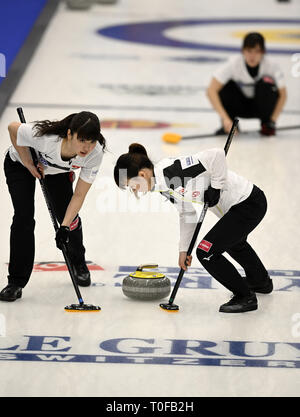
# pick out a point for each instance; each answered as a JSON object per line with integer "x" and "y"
{"x": 137, "y": 148}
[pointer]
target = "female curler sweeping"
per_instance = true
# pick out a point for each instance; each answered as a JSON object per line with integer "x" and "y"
{"x": 239, "y": 204}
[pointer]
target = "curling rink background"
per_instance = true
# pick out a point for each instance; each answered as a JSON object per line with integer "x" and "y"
{"x": 141, "y": 90}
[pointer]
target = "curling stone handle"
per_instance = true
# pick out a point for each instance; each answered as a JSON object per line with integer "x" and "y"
{"x": 151, "y": 266}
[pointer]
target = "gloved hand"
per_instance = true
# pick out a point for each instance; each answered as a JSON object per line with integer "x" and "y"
{"x": 62, "y": 236}
{"x": 211, "y": 196}
{"x": 268, "y": 128}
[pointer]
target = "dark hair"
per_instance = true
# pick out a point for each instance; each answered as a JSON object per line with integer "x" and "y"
{"x": 131, "y": 162}
{"x": 85, "y": 124}
{"x": 253, "y": 39}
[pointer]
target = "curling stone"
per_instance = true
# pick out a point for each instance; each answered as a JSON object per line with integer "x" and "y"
{"x": 146, "y": 285}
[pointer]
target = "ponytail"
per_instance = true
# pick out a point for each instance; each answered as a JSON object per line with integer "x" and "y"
{"x": 48, "y": 127}
{"x": 129, "y": 164}
{"x": 85, "y": 124}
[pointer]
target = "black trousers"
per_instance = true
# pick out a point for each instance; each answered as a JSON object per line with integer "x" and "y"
{"x": 260, "y": 107}
{"x": 21, "y": 186}
{"x": 230, "y": 235}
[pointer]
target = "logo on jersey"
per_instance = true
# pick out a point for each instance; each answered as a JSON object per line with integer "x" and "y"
{"x": 50, "y": 164}
{"x": 43, "y": 160}
{"x": 181, "y": 191}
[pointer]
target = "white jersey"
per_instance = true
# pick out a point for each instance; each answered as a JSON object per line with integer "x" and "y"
{"x": 184, "y": 181}
{"x": 48, "y": 151}
{"x": 235, "y": 69}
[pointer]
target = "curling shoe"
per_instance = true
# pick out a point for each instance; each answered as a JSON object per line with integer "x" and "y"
{"x": 240, "y": 304}
{"x": 82, "y": 274}
{"x": 11, "y": 293}
{"x": 265, "y": 288}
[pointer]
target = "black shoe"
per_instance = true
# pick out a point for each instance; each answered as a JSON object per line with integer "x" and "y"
{"x": 240, "y": 304}
{"x": 266, "y": 288}
{"x": 10, "y": 293}
{"x": 268, "y": 128}
{"x": 82, "y": 274}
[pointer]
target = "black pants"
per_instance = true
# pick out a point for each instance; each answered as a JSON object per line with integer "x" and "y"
{"x": 230, "y": 235}
{"x": 260, "y": 107}
{"x": 21, "y": 186}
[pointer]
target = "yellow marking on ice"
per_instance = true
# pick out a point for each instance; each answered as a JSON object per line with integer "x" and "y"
{"x": 275, "y": 35}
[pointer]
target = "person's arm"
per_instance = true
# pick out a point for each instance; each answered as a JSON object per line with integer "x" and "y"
{"x": 280, "y": 104}
{"x": 184, "y": 261}
{"x": 87, "y": 175}
{"x": 214, "y": 162}
{"x": 23, "y": 151}
{"x": 76, "y": 202}
{"x": 213, "y": 95}
{"x": 187, "y": 223}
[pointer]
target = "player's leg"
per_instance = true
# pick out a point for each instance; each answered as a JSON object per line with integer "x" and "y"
{"x": 21, "y": 186}
{"x": 234, "y": 102}
{"x": 230, "y": 230}
{"x": 266, "y": 96}
{"x": 257, "y": 276}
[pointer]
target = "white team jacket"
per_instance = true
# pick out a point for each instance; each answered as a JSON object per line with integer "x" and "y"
{"x": 184, "y": 180}
{"x": 235, "y": 69}
{"x": 48, "y": 150}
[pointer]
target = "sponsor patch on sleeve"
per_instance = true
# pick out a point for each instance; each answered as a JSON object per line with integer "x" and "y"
{"x": 205, "y": 245}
